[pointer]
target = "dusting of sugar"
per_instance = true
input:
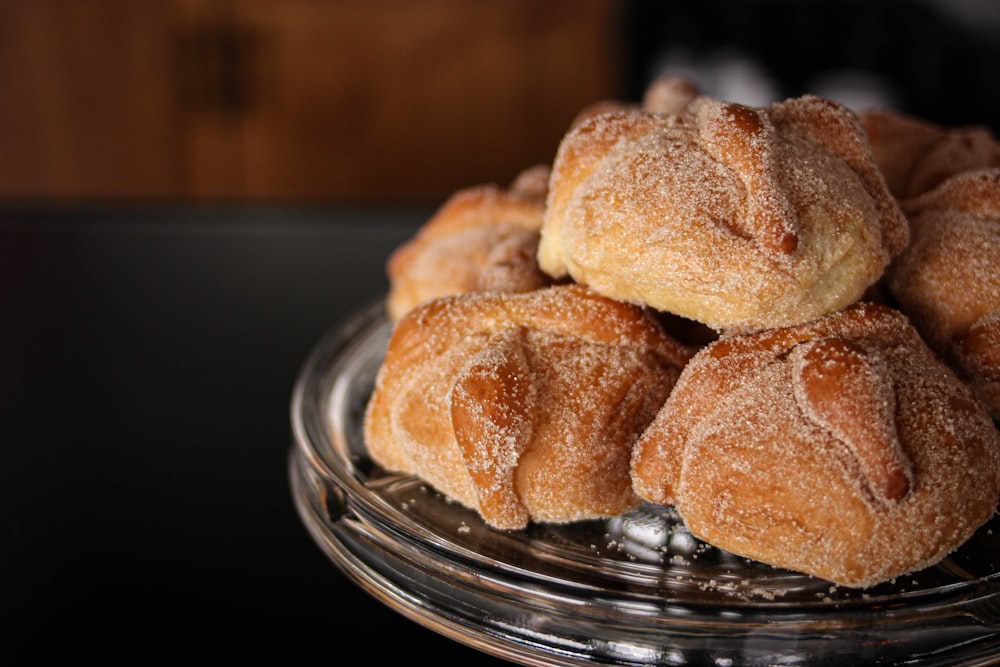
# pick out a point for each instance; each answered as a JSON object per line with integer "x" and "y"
{"x": 758, "y": 475}
{"x": 946, "y": 281}
{"x": 746, "y": 220}
{"x": 485, "y": 396}
{"x": 697, "y": 215}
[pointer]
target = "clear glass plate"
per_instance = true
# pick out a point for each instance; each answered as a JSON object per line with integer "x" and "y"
{"x": 637, "y": 589}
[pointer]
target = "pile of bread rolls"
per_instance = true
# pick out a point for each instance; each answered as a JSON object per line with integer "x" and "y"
{"x": 783, "y": 321}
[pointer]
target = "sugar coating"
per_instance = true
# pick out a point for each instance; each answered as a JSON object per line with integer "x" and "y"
{"x": 948, "y": 279}
{"x": 522, "y": 406}
{"x": 736, "y": 217}
{"x": 916, "y": 155}
{"x": 752, "y": 469}
{"x": 482, "y": 238}
{"x": 810, "y": 431}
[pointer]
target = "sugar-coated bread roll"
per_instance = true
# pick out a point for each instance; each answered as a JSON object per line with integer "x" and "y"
{"x": 948, "y": 280}
{"x": 915, "y": 155}
{"x": 841, "y": 448}
{"x": 482, "y": 238}
{"x": 522, "y": 406}
{"x": 738, "y": 217}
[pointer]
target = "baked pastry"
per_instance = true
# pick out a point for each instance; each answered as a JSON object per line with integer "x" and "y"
{"x": 948, "y": 280}
{"x": 842, "y": 448}
{"x": 522, "y": 406}
{"x": 532, "y": 183}
{"x": 914, "y": 155}
{"x": 670, "y": 94}
{"x": 737, "y": 217}
{"x": 482, "y": 238}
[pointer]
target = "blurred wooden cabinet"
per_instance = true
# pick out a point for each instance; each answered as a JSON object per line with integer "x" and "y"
{"x": 294, "y": 100}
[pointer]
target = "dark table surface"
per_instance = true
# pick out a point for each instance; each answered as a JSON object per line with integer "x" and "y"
{"x": 147, "y": 358}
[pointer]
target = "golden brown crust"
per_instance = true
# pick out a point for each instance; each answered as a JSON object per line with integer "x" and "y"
{"x": 947, "y": 281}
{"x": 848, "y": 392}
{"x": 482, "y": 238}
{"x": 842, "y": 448}
{"x": 736, "y": 217}
{"x": 522, "y": 406}
{"x": 915, "y": 155}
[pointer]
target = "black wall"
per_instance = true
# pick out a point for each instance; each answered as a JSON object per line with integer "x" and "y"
{"x": 938, "y": 60}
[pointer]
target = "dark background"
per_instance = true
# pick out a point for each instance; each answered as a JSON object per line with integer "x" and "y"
{"x": 171, "y": 247}
{"x": 147, "y": 359}
{"x": 933, "y": 59}
{"x": 375, "y": 101}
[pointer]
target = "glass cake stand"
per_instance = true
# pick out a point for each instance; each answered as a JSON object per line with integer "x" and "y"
{"x": 637, "y": 589}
